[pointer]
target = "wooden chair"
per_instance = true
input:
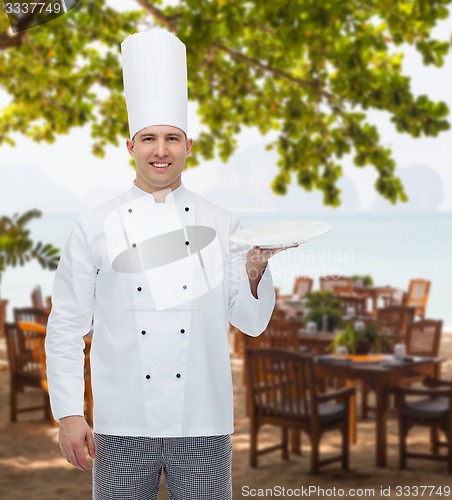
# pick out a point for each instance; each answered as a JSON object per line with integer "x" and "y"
{"x": 27, "y": 362}
{"x": 278, "y": 313}
{"x": 3, "y": 315}
{"x": 423, "y": 338}
{"x": 417, "y": 296}
{"x": 283, "y": 393}
{"x": 356, "y": 302}
{"x": 88, "y": 389}
{"x": 241, "y": 340}
{"x": 432, "y": 409}
{"x": 337, "y": 284}
{"x": 37, "y": 299}
{"x": 31, "y": 315}
{"x": 302, "y": 286}
{"x": 26, "y": 356}
{"x": 393, "y": 297}
{"x": 393, "y": 321}
{"x": 237, "y": 339}
{"x": 292, "y": 305}
{"x": 279, "y": 334}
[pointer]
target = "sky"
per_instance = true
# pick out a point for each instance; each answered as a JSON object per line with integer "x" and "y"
{"x": 70, "y": 164}
{"x": 66, "y": 174}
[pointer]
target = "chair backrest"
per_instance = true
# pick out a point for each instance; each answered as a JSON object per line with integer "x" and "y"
{"x": 279, "y": 334}
{"x": 423, "y": 338}
{"x": 357, "y": 303}
{"x": 36, "y": 297}
{"x": 26, "y": 351}
{"x": 417, "y": 296}
{"x": 281, "y": 384}
{"x": 337, "y": 284}
{"x": 302, "y": 286}
{"x": 31, "y": 315}
{"x": 278, "y": 313}
{"x": 393, "y": 321}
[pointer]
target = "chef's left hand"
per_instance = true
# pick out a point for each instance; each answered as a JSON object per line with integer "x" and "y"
{"x": 257, "y": 258}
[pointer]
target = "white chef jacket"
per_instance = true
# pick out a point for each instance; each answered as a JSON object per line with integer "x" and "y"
{"x": 159, "y": 359}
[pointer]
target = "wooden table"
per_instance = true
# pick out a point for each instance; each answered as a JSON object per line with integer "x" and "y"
{"x": 318, "y": 343}
{"x": 380, "y": 377}
{"x": 374, "y": 293}
{"x": 293, "y": 308}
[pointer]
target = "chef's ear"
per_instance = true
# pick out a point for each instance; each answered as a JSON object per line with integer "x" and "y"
{"x": 188, "y": 145}
{"x": 130, "y": 144}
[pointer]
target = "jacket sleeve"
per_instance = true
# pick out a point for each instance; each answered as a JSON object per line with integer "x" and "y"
{"x": 70, "y": 319}
{"x": 248, "y": 314}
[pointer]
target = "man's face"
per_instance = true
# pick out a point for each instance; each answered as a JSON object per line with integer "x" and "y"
{"x": 159, "y": 152}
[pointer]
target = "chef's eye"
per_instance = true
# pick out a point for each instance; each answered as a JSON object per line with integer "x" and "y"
{"x": 148, "y": 139}
{"x": 173, "y": 138}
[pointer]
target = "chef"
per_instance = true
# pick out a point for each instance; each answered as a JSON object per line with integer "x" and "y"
{"x": 155, "y": 273}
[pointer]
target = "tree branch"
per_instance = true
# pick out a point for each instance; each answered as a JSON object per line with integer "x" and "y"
{"x": 157, "y": 13}
{"x": 8, "y": 40}
{"x": 315, "y": 85}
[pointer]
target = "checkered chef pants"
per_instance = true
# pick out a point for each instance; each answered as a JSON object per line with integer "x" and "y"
{"x": 195, "y": 468}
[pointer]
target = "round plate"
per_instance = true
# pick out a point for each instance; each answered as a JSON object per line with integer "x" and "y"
{"x": 281, "y": 234}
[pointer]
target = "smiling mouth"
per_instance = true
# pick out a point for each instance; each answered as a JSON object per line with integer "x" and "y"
{"x": 160, "y": 164}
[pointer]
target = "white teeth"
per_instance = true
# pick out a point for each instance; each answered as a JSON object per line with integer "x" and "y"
{"x": 160, "y": 165}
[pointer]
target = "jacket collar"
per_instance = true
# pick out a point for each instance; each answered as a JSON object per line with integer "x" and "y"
{"x": 172, "y": 196}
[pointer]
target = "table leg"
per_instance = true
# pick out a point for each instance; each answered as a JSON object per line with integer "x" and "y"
{"x": 381, "y": 417}
{"x": 374, "y": 300}
{"x": 295, "y": 439}
{"x": 352, "y": 422}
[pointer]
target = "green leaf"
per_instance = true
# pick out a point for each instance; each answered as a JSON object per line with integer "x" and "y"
{"x": 16, "y": 246}
{"x": 309, "y": 70}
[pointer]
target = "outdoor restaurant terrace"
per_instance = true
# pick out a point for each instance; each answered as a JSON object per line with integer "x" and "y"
{"x": 337, "y": 341}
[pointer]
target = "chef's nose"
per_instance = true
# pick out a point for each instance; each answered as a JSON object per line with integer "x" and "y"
{"x": 160, "y": 149}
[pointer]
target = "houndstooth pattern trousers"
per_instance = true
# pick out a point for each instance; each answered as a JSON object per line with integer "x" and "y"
{"x": 195, "y": 468}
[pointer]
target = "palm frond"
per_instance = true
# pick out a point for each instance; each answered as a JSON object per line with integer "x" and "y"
{"x": 17, "y": 247}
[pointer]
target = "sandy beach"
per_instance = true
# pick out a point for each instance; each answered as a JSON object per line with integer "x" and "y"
{"x": 31, "y": 465}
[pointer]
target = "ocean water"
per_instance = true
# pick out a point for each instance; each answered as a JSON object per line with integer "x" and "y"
{"x": 392, "y": 249}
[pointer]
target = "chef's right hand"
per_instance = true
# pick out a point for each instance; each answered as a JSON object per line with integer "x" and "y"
{"x": 74, "y": 433}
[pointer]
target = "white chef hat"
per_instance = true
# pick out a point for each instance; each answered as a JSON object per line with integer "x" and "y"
{"x": 155, "y": 80}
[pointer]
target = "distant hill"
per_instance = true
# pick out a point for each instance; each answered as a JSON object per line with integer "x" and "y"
{"x": 241, "y": 185}
{"x": 23, "y": 187}
{"x": 244, "y": 184}
{"x": 96, "y": 197}
{"x": 423, "y": 187}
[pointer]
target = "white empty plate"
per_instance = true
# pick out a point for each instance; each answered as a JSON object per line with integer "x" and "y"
{"x": 281, "y": 234}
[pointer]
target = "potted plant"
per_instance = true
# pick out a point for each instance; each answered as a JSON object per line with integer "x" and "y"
{"x": 365, "y": 280}
{"x": 361, "y": 338}
{"x": 323, "y": 308}
{"x": 17, "y": 248}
